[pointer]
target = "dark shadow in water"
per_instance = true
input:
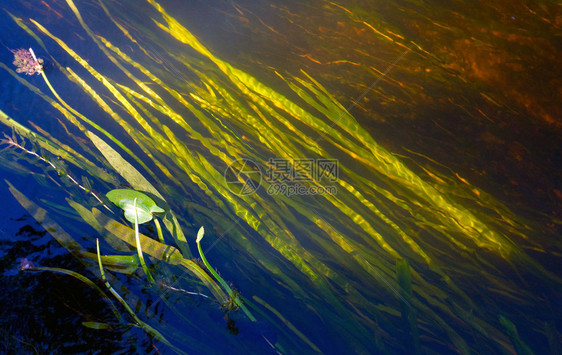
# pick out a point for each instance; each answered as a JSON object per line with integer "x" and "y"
{"x": 42, "y": 312}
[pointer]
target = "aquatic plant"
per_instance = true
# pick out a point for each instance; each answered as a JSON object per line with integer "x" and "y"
{"x": 150, "y": 330}
{"x": 14, "y": 143}
{"x": 345, "y": 262}
{"x": 26, "y": 62}
{"x": 139, "y": 209}
{"x": 233, "y": 302}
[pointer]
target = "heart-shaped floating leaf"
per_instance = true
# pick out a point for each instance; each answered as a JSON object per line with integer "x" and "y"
{"x": 125, "y": 198}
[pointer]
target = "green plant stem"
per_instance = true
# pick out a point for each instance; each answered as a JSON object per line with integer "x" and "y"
{"x": 224, "y": 284}
{"x": 139, "y": 247}
{"x": 153, "y": 332}
{"x": 113, "y": 292}
{"x": 159, "y": 230}
{"x": 82, "y": 117}
{"x": 202, "y": 275}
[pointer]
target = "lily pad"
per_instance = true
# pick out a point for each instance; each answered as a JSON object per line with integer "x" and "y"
{"x": 125, "y": 199}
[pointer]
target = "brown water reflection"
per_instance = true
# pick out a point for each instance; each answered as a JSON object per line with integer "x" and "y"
{"x": 480, "y": 92}
{"x": 478, "y": 97}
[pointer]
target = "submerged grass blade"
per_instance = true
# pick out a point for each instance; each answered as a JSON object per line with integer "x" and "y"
{"x": 408, "y": 313}
{"x": 40, "y": 215}
{"x": 124, "y": 264}
{"x": 139, "y": 245}
{"x": 287, "y": 324}
{"x": 159, "y": 230}
{"x": 96, "y": 325}
{"x": 520, "y": 347}
{"x": 63, "y": 151}
{"x": 124, "y": 168}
